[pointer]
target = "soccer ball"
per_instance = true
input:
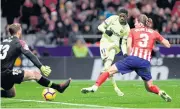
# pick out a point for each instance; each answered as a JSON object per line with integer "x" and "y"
{"x": 49, "y": 94}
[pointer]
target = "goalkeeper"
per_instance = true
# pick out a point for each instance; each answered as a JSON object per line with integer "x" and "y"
{"x": 115, "y": 31}
{"x": 13, "y": 47}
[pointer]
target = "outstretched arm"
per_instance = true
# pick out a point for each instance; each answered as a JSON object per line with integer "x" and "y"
{"x": 166, "y": 43}
{"x": 104, "y": 25}
{"x": 46, "y": 70}
{"x": 25, "y": 50}
{"x": 162, "y": 40}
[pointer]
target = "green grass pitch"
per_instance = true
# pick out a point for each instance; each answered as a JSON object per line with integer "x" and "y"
{"x": 29, "y": 96}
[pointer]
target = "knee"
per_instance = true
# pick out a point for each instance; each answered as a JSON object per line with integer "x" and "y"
{"x": 11, "y": 94}
{"x": 32, "y": 75}
{"x": 37, "y": 75}
{"x": 112, "y": 70}
{"x": 111, "y": 55}
{"x": 113, "y": 51}
{"x": 148, "y": 88}
{"x": 148, "y": 85}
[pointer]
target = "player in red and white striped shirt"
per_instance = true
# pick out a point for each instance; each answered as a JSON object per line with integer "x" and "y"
{"x": 142, "y": 40}
{"x": 140, "y": 44}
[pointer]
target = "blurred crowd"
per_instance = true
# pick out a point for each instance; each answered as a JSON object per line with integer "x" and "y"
{"x": 61, "y": 22}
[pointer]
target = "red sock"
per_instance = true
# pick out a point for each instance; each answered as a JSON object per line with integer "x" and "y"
{"x": 102, "y": 78}
{"x": 154, "y": 89}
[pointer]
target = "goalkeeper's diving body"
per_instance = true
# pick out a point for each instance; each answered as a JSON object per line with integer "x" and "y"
{"x": 115, "y": 31}
{"x": 13, "y": 47}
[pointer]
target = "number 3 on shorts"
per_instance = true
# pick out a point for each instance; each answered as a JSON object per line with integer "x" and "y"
{"x": 144, "y": 40}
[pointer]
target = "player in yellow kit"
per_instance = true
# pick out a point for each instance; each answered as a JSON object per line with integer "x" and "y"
{"x": 115, "y": 31}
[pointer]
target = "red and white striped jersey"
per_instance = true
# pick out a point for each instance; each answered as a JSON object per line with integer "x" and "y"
{"x": 143, "y": 40}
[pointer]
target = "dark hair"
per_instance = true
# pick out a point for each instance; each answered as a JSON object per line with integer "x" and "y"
{"x": 149, "y": 22}
{"x": 14, "y": 28}
{"x": 145, "y": 20}
{"x": 123, "y": 11}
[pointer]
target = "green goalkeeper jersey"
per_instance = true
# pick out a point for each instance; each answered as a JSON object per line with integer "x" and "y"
{"x": 120, "y": 33}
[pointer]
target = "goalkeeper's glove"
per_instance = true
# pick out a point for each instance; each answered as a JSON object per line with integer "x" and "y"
{"x": 109, "y": 32}
{"x": 46, "y": 70}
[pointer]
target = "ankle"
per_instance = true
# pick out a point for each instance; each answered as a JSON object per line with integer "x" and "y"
{"x": 55, "y": 86}
{"x": 95, "y": 87}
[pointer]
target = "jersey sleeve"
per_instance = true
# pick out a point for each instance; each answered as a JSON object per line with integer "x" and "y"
{"x": 127, "y": 32}
{"x": 124, "y": 40}
{"x": 25, "y": 50}
{"x": 130, "y": 34}
{"x": 109, "y": 20}
{"x": 124, "y": 46}
{"x": 104, "y": 25}
{"x": 159, "y": 37}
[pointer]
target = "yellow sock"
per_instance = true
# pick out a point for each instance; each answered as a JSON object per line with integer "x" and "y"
{"x": 113, "y": 82}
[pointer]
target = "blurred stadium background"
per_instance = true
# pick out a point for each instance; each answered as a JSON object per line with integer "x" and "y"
{"x": 64, "y": 34}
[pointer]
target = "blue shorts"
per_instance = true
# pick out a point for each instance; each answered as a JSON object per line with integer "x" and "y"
{"x": 133, "y": 63}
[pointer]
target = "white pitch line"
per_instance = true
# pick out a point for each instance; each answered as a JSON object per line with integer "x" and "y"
{"x": 63, "y": 103}
{"x": 74, "y": 104}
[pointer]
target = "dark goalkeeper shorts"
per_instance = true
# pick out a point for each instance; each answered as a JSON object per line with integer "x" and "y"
{"x": 11, "y": 77}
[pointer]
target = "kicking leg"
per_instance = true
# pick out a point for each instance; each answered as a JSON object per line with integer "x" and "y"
{"x": 9, "y": 93}
{"x": 34, "y": 75}
{"x": 154, "y": 89}
{"x": 121, "y": 66}
{"x": 107, "y": 63}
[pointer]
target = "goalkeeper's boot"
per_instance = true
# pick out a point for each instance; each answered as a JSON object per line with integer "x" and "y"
{"x": 118, "y": 91}
{"x": 89, "y": 89}
{"x": 165, "y": 96}
{"x": 62, "y": 87}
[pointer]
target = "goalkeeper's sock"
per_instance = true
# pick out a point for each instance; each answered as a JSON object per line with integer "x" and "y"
{"x": 54, "y": 86}
{"x": 4, "y": 93}
{"x": 102, "y": 78}
{"x": 154, "y": 89}
{"x": 59, "y": 87}
{"x": 7, "y": 94}
{"x": 113, "y": 81}
{"x": 44, "y": 82}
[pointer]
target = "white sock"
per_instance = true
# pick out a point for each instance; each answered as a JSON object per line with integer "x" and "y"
{"x": 95, "y": 88}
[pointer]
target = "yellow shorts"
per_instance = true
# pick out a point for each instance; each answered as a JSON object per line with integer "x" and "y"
{"x": 105, "y": 48}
